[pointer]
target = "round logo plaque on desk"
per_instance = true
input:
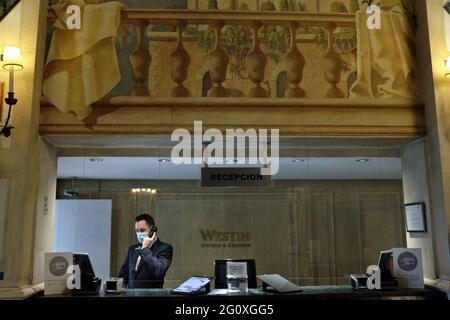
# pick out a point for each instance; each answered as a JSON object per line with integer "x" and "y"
{"x": 58, "y": 266}
{"x": 407, "y": 261}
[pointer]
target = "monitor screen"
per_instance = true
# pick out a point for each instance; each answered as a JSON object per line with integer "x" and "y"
{"x": 386, "y": 261}
{"x": 220, "y": 270}
{"x": 192, "y": 285}
{"x": 82, "y": 260}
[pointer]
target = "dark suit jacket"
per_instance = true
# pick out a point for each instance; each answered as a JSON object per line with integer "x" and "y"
{"x": 153, "y": 266}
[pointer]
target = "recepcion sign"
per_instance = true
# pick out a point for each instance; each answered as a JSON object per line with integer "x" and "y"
{"x": 234, "y": 177}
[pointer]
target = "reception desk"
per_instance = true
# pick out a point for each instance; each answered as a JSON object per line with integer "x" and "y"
{"x": 334, "y": 301}
{"x": 308, "y": 293}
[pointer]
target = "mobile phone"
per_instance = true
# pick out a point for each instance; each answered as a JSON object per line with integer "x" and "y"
{"x": 153, "y": 229}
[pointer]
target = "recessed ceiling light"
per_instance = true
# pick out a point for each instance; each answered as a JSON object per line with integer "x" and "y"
{"x": 96, "y": 159}
{"x": 164, "y": 160}
{"x": 363, "y": 160}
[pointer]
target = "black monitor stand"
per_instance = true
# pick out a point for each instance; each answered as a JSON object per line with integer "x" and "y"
{"x": 90, "y": 285}
{"x": 388, "y": 282}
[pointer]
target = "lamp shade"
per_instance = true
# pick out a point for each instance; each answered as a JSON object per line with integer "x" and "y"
{"x": 12, "y": 59}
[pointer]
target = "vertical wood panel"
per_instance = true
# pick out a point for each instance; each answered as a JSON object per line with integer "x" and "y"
{"x": 347, "y": 236}
{"x": 380, "y": 230}
{"x": 123, "y": 223}
{"x": 321, "y": 237}
{"x": 302, "y": 238}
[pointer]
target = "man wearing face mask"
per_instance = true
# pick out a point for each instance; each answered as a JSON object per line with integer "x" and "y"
{"x": 147, "y": 262}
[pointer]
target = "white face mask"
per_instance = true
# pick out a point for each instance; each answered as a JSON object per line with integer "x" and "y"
{"x": 141, "y": 236}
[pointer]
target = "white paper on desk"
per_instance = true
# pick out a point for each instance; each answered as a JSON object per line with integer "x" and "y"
{"x": 236, "y": 269}
{"x": 279, "y": 283}
{"x": 218, "y": 292}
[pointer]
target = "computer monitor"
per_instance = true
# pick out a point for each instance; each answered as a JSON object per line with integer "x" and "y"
{"x": 90, "y": 284}
{"x": 220, "y": 272}
{"x": 83, "y": 261}
{"x": 386, "y": 262}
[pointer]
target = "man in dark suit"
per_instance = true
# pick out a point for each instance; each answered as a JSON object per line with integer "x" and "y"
{"x": 147, "y": 262}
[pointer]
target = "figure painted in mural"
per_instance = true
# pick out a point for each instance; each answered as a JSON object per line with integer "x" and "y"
{"x": 82, "y": 61}
{"x": 386, "y": 56}
{"x": 147, "y": 262}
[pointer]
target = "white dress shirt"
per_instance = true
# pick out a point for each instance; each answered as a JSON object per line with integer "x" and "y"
{"x": 138, "y": 262}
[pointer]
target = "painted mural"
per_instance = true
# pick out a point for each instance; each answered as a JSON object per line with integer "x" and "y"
{"x": 1, "y": 100}
{"x": 386, "y": 62}
{"x": 163, "y": 60}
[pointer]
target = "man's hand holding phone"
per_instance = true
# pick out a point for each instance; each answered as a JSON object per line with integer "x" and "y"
{"x": 148, "y": 241}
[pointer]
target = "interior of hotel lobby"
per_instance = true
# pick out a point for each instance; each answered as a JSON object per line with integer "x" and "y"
{"x": 274, "y": 150}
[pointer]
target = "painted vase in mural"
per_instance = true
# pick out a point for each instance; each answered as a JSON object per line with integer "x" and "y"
{"x": 218, "y": 64}
{"x": 294, "y": 64}
{"x": 140, "y": 61}
{"x": 256, "y": 65}
{"x": 179, "y": 63}
{"x": 332, "y": 67}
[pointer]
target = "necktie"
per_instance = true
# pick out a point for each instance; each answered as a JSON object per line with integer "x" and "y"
{"x": 138, "y": 262}
{"x": 139, "y": 259}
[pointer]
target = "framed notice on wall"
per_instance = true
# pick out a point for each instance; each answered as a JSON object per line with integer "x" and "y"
{"x": 415, "y": 217}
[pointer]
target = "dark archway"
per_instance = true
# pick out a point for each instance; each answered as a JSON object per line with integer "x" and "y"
{"x": 351, "y": 79}
{"x": 206, "y": 84}
{"x": 282, "y": 84}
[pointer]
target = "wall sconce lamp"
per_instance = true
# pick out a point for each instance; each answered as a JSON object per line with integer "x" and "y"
{"x": 11, "y": 61}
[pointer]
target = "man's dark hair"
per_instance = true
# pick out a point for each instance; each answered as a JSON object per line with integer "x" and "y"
{"x": 148, "y": 218}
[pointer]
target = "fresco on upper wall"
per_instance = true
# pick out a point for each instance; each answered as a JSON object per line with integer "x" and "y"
{"x": 309, "y": 5}
{"x": 275, "y": 43}
{"x": 385, "y": 67}
{"x": 126, "y": 47}
{"x": 156, "y": 4}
